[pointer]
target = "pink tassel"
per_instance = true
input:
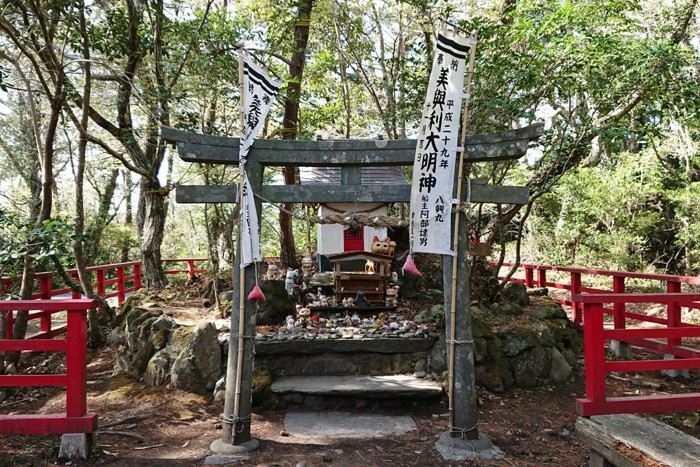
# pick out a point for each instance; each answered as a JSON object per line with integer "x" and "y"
{"x": 410, "y": 266}
{"x": 256, "y": 294}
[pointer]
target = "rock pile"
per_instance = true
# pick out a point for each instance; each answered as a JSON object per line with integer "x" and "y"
{"x": 384, "y": 325}
{"x": 152, "y": 346}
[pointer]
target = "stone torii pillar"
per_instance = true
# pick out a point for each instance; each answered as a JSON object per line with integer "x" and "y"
{"x": 350, "y": 156}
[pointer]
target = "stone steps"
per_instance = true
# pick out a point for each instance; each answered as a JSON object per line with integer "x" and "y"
{"x": 336, "y": 392}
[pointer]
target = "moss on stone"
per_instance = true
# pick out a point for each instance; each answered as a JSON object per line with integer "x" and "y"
{"x": 160, "y": 338}
{"x": 262, "y": 380}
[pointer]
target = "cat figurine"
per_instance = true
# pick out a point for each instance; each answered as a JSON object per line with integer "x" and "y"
{"x": 383, "y": 247}
{"x": 380, "y": 246}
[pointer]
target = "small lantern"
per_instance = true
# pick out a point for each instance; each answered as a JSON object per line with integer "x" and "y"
{"x": 307, "y": 265}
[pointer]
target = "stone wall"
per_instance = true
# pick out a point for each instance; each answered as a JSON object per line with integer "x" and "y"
{"x": 542, "y": 349}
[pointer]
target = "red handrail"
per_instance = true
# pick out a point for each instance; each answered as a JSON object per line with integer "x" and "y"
{"x": 596, "y": 401}
{"x": 103, "y": 287}
{"x": 75, "y": 419}
{"x": 102, "y": 284}
{"x": 672, "y": 283}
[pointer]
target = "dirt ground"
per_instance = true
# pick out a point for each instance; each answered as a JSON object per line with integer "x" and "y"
{"x": 144, "y": 426}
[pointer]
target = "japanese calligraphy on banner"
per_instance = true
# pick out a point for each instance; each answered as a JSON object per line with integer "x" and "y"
{"x": 436, "y": 148}
{"x": 259, "y": 92}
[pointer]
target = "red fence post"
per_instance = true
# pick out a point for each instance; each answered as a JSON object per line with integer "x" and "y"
{"x": 45, "y": 294}
{"x": 45, "y": 287}
{"x": 10, "y": 323}
{"x": 190, "y": 269}
{"x": 594, "y": 352}
{"x": 576, "y": 308}
{"x": 76, "y": 295}
{"x": 100, "y": 282}
{"x": 137, "y": 276}
{"x": 529, "y": 277}
{"x": 619, "y": 308}
{"x": 121, "y": 285}
{"x": 673, "y": 312}
{"x": 76, "y": 364}
{"x": 541, "y": 278}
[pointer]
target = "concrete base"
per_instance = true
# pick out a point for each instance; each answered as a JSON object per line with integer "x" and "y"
{"x": 225, "y": 449}
{"x": 457, "y": 449}
{"x": 674, "y": 373}
{"x": 76, "y": 446}
{"x": 621, "y": 350}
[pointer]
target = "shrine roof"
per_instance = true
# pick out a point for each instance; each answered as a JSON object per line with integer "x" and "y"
{"x": 370, "y": 175}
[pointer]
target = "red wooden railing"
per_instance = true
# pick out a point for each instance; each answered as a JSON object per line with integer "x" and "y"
{"x": 526, "y": 275}
{"x": 75, "y": 419}
{"x": 596, "y": 402}
{"x": 660, "y": 334}
{"x": 127, "y": 278}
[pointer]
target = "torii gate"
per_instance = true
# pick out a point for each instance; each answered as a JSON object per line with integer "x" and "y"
{"x": 350, "y": 156}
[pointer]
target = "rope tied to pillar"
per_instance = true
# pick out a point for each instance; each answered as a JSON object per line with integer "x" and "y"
{"x": 459, "y": 342}
{"x": 239, "y": 421}
{"x": 462, "y": 431}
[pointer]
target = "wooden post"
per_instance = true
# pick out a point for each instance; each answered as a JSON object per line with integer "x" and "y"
{"x": 121, "y": 285}
{"x": 594, "y": 352}
{"x": 673, "y": 313}
{"x": 45, "y": 286}
{"x": 76, "y": 363}
{"x": 619, "y": 308}
{"x": 101, "y": 282}
{"x": 529, "y": 277}
{"x": 76, "y": 295}
{"x": 137, "y": 276}
{"x": 576, "y": 308}
{"x": 541, "y": 278}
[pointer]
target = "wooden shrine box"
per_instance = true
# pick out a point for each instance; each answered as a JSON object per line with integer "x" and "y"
{"x": 348, "y": 283}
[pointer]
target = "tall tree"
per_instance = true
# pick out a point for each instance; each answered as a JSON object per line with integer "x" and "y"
{"x": 24, "y": 24}
{"x": 290, "y": 123}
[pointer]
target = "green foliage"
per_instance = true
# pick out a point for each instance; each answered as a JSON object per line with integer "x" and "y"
{"x": 687, "y": 217}
{"x": 20, "y": 237}
{"x": 613, "y": 71}
{"x": 118, "y": 243}
{"x": 619, "y": 215}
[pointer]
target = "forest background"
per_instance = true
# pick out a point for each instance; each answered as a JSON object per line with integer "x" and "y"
{"x": 85, "y": 86}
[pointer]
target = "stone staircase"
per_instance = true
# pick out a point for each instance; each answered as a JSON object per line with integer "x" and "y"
{"x": 368, "y": 373}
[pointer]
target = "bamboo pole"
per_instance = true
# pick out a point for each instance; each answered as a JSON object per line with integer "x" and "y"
{"x": 455, "y": 245}
{"x": 241, "y": 281}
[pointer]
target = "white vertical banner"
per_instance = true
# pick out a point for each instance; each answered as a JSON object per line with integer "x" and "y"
{"x": 436, "y": 148}
{"x": 259, "y": 92}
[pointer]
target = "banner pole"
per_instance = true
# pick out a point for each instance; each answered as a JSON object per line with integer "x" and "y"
{"x": 455, "y": 245}
{"x": 241, "y": 281}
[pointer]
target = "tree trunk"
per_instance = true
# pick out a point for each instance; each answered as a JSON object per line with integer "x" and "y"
{"x": 97, "y": 227}
{"x": 151, "y": 224}
{"x": 507, "y": 10}
{"x": 290, "y": 125}
{"x": 129, "y": 188}
{"x": 46, "y": 159}
{"x": 94, "y": 336}
{"x": 343, "y": 68}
